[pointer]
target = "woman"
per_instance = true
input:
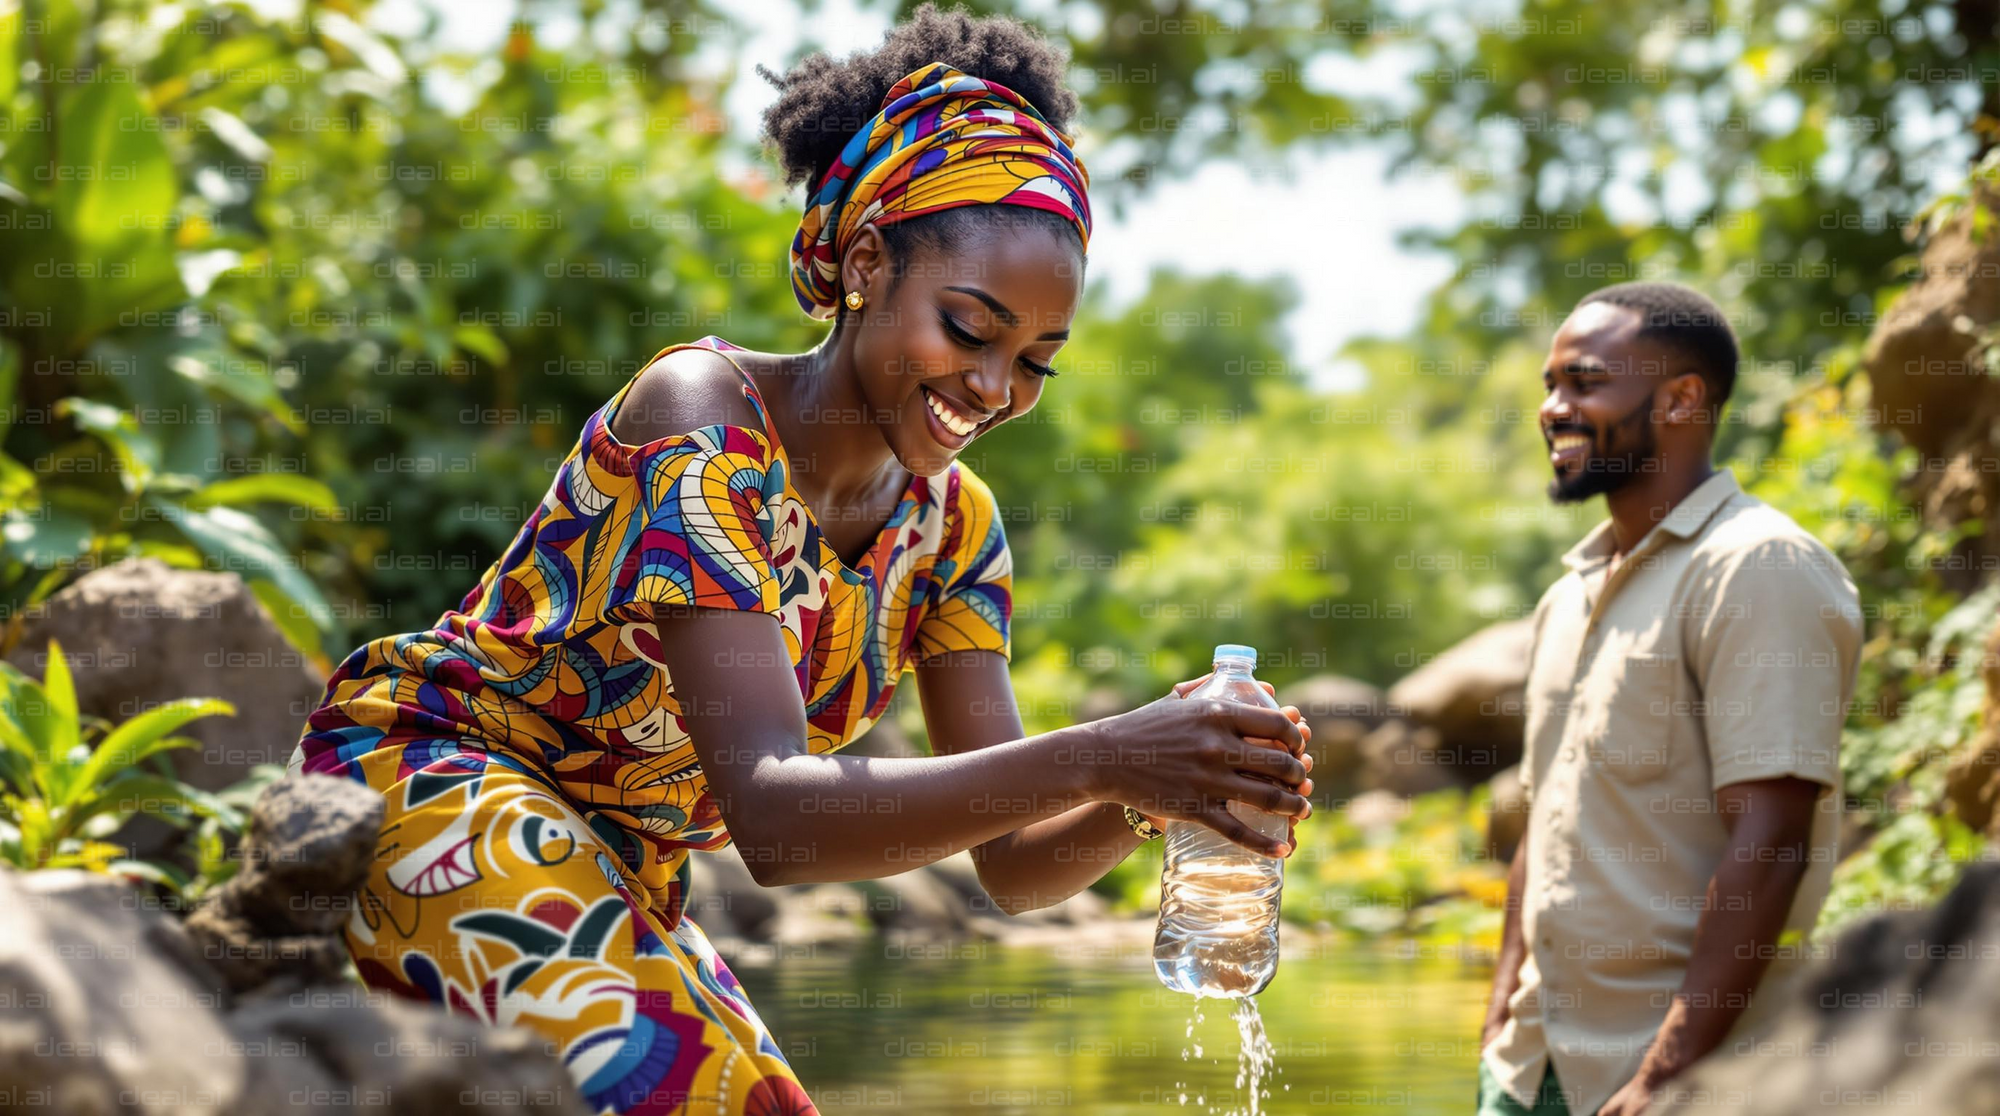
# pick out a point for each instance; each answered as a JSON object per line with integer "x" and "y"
{"x": 781, "y": 536}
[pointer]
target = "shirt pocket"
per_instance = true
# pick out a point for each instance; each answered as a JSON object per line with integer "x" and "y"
{"x": 1634, "y": 743}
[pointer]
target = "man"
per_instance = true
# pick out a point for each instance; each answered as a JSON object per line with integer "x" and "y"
{"x": 1685, "y": 695}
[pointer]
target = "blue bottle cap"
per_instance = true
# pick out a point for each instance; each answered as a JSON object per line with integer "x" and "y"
{"x": 1236, "y": 651}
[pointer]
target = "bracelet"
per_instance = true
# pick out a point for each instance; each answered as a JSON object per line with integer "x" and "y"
{"x": 1145, "y": 829}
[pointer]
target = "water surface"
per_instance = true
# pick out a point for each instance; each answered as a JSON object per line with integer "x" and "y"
{"x": 1082, "y": 1025}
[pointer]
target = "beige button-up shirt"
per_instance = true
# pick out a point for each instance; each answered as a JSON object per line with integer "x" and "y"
{"x": 1721, "y": 650}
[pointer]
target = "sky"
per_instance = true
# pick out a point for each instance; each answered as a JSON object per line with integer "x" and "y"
{"x": 1328, "y": 222}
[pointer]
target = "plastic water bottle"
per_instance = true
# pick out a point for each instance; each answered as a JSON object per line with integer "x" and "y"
{"x": 1218, "y": 933}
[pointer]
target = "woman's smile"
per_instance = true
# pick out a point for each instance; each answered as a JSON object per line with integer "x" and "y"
{"x": 953, "y": 424}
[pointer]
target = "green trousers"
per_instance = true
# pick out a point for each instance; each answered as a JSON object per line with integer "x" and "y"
{"x": 1494, "y": 1101}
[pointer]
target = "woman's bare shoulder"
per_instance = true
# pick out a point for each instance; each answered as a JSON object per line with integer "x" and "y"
{"x": 683, "y": 390}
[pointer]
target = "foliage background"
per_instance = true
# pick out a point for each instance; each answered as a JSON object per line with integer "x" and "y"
{"x": 267, "y": 305}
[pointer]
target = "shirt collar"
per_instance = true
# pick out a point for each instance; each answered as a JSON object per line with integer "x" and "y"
{"x": 1594, "y": 548}
{"x": 1692, "y": 514}
{"x": 1687, "y": 519}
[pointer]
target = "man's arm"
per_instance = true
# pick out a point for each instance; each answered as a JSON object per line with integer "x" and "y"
{"x": 1513, "y": 948}
{"x": 1770, "y": 823}
{"x": 1513, "y": 941}
{"x": 1776, "y": 669}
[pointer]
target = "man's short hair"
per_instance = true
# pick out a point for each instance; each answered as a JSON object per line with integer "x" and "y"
{"x": 1686, "y": 321}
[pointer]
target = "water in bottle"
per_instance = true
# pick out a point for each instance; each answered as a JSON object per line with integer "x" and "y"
{"x": 1218, "y": 933}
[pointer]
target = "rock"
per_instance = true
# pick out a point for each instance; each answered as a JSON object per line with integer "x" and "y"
{"x": 915, "y": 902}
{"x": 1900, "y": 1017}
{"x": 1340, "y": 763}
{"x": 1506, "y": 815}
{"x": 308, "y": 846}
{"x": 1919, "y": 356}
{"x": 985, "y": 919}
{"x": 1334, "y": 697}
{"x": 105, "y": 999}
{"x": 1085, "y": 908}
{"x": 724, "y": 899}
{"x": 958, "y": 872}
{"x": 140, "y": 633}
{"x": 819, "y": 914}
{"x": 386, "y": 1055}
{"x": 1972, "y": 783}
{"x": 109, "y": 1009}
{"x": 248, "y": 959}
{"x": 1342, "y": 712}
{"x": 309, "y": 835}
{"x": 1928, "y": 382}
{"x": 1402, "y": 758}
{"x": 1472, "y": 696}
{"x": 939, "y": 900}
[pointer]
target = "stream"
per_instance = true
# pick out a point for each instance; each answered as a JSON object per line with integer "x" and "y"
{"x": 1083, "y": 1025}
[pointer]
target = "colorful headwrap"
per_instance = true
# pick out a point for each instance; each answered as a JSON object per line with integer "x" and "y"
{"x": 943, "y": 139}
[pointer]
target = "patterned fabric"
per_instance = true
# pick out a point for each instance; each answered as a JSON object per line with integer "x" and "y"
{"x": 539, "y": 779}
{"x": 941, "y": 140}
{"x": 494, "y": 896}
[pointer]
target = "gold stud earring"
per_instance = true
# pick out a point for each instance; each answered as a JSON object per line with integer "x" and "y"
{"x": 854, "y": 300}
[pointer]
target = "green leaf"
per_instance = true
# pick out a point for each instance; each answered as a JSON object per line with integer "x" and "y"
{"x": 299, "y": 624}
{"x": 179, "y": 555}
{"x": 46, "y": 537}
{"x": 10, "y": 52}
{"x": 146, "y": 871}
{"x": 481, "y": 342}
{"x": 286, "y": 488}
{"x": 244, "y": 379}
{"x": 137, "y": 792}
{"x": 15, "y": 738}
{"x": 251, "y": 61}
{"x": 93, "y": 856}
{"x": 137, "y": 452}
{"x": 31, "y": 815}
{"x": 237, "y": 541}
{"x": 119, "y": 167}
{"x": 10, "y": 352}
{"x": 16, "y": 769}
{"x": 145, "y": 735}
{"x": 211, "y": 853}
{"x": 239, "y": 137}
{"x": 371, "y": 51}
{"x": 59, "y": 689}
{"x": 17, "y": 481}
{"x": 243, "y": 793}
{"x": 46, "y": 586}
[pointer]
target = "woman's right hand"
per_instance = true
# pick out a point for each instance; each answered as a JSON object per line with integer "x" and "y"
{"x": 1177, "y": 758}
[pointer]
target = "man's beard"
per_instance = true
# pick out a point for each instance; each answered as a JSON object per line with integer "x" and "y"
{"x": 1601, "y": 475}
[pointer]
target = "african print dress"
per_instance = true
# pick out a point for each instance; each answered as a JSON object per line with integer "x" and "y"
{"x": 543, "y": 795}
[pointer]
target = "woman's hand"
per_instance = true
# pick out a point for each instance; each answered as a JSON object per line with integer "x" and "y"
{"x": 1188, "y": 760}
{"x": 1182, "y": 689}
{"x": 1291, "y": 712}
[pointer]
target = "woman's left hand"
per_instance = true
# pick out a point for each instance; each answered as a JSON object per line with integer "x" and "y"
{"x": 1182, "y": 689}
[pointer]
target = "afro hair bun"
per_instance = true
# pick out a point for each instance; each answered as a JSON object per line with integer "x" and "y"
{"x": 822, "y": 102}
